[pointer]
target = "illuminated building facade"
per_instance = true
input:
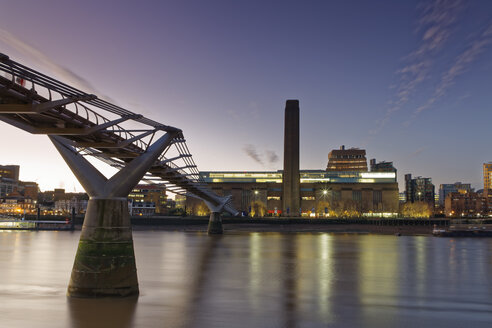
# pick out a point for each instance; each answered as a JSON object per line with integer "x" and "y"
{"x": 419, "y": 190}
{"x": 59, "y": 202}
{"x": 487, "y": 183}
{"x": 445, "y": 189}
{"x": 65, "y": 206}
{"x": 353, "y": 159}
{"x": 469, "y": 204}
{"x": 16, "y": 204}
{"x": 322, "y": 193}
{"x": 487, "y": 176}
{"x": 148, "y": 199}
{"x": 10, "y": 172}
{"x": 9, "y": 179}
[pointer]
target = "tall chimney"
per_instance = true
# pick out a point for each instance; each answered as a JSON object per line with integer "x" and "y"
{"x": 291, "y": 200}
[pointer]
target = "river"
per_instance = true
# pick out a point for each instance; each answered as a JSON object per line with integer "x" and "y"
{"x": 257, "y": 280}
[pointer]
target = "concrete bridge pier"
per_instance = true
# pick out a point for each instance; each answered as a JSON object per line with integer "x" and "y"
{"x": 215, "y": 224}
{"x": 215, "y": 221}
{"x": 105, "y": 261}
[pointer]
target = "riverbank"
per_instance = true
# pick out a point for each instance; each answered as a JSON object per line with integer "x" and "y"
{"x": 288, "y": 225}
{"x": 231, "y": 225}
{"x": 293, "y": 228}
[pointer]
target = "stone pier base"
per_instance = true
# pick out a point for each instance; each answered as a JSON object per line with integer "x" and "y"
{"x": 215, "y": 224}
{"x": 105, "y": 260}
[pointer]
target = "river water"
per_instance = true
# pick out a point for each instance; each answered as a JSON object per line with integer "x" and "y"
{"x": 257, "y": 280}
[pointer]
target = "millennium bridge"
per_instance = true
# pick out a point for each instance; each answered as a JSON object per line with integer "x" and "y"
{"x": 82, "y": 126}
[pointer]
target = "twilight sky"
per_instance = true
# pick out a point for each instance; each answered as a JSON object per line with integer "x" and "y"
{"x": 408, "y": 81}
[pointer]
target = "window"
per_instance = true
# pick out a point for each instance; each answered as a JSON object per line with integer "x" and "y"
{"x": 357, "y": 195}
{"x": 377, "y": 196}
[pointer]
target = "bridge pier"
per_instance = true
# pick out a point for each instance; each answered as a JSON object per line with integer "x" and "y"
{"x": 215, "y": 224}
{"x": 105, "y": 261}
{"x": 215, "y": 221}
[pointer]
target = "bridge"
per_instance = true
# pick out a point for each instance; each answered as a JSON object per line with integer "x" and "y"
{"x": 82, "y": 126}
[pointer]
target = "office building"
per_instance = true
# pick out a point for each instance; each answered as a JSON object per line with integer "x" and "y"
{"x": 10, "y": 172}
{"x": 29, "y": 189}
{"x": 445, "y": 189}
{"x": 9, "y": 179}
{"x": 7, "y": 186}
{"x": 148, "y": 199}
{"x": 487, "y": 183}
{"x": 469, "y": 204}
{"x": 487, "y": 176}
{"x": 419, "y": 190}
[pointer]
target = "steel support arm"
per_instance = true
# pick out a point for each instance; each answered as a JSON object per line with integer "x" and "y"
{"x": 120, "y": 184}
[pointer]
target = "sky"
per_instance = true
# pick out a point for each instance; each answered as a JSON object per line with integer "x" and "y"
{"x": 408, "y": 81}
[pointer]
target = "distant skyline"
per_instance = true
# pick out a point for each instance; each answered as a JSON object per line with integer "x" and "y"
{"x": 407, "y": 81}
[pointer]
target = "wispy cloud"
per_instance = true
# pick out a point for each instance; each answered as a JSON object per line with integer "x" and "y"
{"x": 250, "y": 150}
{"x": 38, "y": 57}
{"x": 269, "y": 157}
{"x": 460, "y": 66}
{"x": 418, "y": 151}
{"x": 435, "y": 26}
{"x": 436, "y": 21}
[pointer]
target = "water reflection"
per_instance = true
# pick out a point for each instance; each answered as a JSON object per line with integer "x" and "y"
{"x": 257, "y": 280}
{"x": 103, "y": 313}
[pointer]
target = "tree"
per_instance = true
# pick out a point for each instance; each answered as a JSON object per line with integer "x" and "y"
{"x": 416, "y": 210}
{"x": 258, "y": 208}
{"x": 321, "y": 206}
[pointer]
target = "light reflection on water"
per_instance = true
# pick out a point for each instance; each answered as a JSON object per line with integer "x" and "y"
{"x": 257, "y": 280}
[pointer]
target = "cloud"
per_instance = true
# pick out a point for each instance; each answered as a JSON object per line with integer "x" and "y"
{"x": 460, "y": 66}
{"x": 271, "y": 156}
{"x": 250, "y": 150}
{"x": 435, "y": 25}
{"x": 418, "y": 152}
{"x": 36, "y": 56}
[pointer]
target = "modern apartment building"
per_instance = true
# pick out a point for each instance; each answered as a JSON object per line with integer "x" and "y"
{"x": 419, "y": 190}
{"x": 445, "y": 189}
